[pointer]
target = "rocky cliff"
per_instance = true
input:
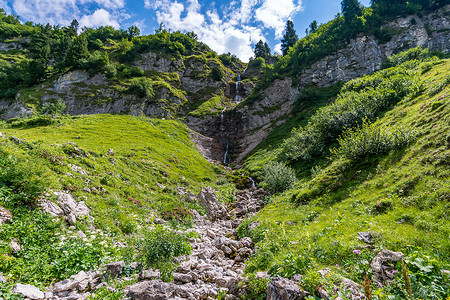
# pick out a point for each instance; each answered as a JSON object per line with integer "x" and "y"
{"x": 362, "y": 55}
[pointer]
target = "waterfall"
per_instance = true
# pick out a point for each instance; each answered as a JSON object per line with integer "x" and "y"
{"x": 238, "y": 97}
{"x": 253, "y": 182}
{"x": 225, "y": 156}
{"x": 222, "y": 117}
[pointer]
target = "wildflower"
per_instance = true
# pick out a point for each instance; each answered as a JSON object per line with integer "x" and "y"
{"x": 357, "y": 251}
{"x": 394, "y": 272}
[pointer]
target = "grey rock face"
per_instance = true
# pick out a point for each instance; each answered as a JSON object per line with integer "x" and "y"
{"x": 284, "y": 289}
{"x": 28, "y": 291}
{"x": 383, "y": 266}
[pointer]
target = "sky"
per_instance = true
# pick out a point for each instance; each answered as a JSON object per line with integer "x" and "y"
{"x": 225, "y": 26}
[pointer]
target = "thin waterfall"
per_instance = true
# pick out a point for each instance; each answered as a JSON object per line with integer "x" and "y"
{"x": 225, "y": 156}
{"x": 253, "y": 182}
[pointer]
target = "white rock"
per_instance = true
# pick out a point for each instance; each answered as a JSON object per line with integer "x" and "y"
{"x": 28, "y": 291}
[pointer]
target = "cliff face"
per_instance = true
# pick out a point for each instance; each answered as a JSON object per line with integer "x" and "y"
{"x": 178, "y": 83}
{"x": 363, "y": 55}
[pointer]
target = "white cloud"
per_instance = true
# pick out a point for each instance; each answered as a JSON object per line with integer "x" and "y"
{"x": 100, "y": 17}
{"x": 5, "y": 6}
{"x": 235, "y": 30}
{"x": 62, "y": 12}
{"x": 274, "y": 14}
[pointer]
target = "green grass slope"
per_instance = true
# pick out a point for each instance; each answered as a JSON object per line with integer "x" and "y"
{"x": 399, "y": 192}
{"x": 152, "y": 160}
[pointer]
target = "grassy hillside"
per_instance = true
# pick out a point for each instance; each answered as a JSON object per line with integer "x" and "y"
{"x": 388, "y": 175}
{"x": 125, "y": 189}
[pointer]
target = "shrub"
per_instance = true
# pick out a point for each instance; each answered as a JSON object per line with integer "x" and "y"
{"x": 292, "y": 265}
{"x": 160, "y": 245}
{"x": 257, "y": 288}
{"x": 278, "y": 177}
{"x": 370, "y": 139}
{"x": 217, "y": 73}
{"x": 141, "y": 87}
{"x": 359, "y": 99}
{"x": 412, "y": 54}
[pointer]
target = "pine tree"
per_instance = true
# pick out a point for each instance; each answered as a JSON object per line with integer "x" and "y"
{"x": 289, "y": 38}
{"x": 73, "y": 27}
{"x": 351, "y": 9}
{"x": 260, "y": 50}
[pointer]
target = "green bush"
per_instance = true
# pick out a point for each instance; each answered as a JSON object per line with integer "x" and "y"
{"x": 278, "y": 177}
{"x": 256, "y": 289}
{"x": 142, "y": 87}
{"x": 160, "y": 245}
{"x": 292, "y": 265}
{"x": 22, "y": 182}
{"x": 362, "y": 98}
{"x": 217, "y": 73}
{"x": 47, "y": 256}
{"x": 370, "y": 139}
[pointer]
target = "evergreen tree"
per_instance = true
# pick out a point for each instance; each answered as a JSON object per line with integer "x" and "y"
{"x": 289, "y": 38}
{"x": 312, "y": 27}
{"x": 77, "y": 51}
{"x": 133, "y": 31}
{"x": 73, "y": 27}
{"x": 260, "y": 50}
{"x": 267, "y": 49}
{"x": 351, "y": 9}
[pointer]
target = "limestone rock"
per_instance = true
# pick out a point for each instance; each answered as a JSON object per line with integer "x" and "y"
{"x": 284, "y": 289}
{"x": 28, "y": 291}
{"x": 5, "y": 215}
{"x": 383, "y": 266}
{"x": 215, "y": 210}
{"x": 113, "y": 269}
{"x": 65, "y": 285}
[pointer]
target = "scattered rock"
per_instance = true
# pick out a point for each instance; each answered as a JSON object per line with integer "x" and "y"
{"x": 15, "y": 246}
{"x": 113, "y": 269}
{"x": 3, "y": 278}
{"x": 28, "y": 291}
{"x": 284, "y": 289}
{"x": 65, "y": 285}
{"x": 215, "y": 210}
{"x": 253, "y": 225}
{"x": 365, "y": 237}
{"x": 383, "y": 266}
{"x": 5, "y": 215}
{"x": 110, "y": 152}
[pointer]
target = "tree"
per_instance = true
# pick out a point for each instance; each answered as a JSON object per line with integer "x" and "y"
{"x": 289, "y": 38}
{"x": 77, "y": 51}
{"x": 73, "y": 27}
{"x": 351, "y": 9}
{"x": 312, "y": 27}
{"x": 133, "y": 31}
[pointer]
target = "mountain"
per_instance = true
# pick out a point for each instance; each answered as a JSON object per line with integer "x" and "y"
{"x": 150, "y": 167}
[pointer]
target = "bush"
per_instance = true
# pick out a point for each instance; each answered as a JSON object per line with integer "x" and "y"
{"x": 292, "y": 265}
{"x": 217, "y": 73}
{"x": 141, "y": 87}
{"x": 412, "y": 54}
{"x": 370, "y": 139}
{"x": 278, "y": 177}
{"x": 257, "y": 288}
{"x": 361, "y": 98}
{"x": 160, "y": 245}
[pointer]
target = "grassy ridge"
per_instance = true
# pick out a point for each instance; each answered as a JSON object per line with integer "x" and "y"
{"x": 147, "y": 152}
{"x": 400, "y": 197}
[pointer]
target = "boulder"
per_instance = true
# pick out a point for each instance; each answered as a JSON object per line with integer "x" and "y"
{"x": 383, "y": 266}
{"x": 365, "y": 237}
{"x": 15, "y": 246}
{"x": 284, "y": 289}
{"x": 150, "y": 290}
{"x": 65, "y": 285}
{"x": 214, "y": 209}
{"x": 113, "y": 269}
{"x": 28, "y": 291}
{"x": 5, "y": 215}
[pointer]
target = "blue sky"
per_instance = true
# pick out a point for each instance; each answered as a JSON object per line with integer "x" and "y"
{"x": 226, "y": 26}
